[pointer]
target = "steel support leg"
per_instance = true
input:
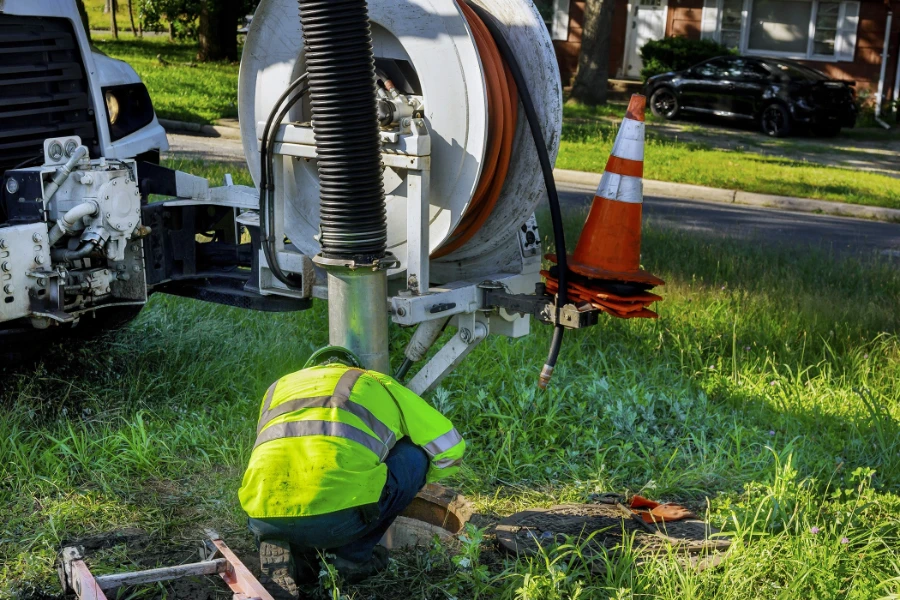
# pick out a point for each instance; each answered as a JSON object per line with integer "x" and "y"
{"x": 470, "y": 333}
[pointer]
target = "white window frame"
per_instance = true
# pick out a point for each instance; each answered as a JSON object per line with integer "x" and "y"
{"x": 560, "y": 29}
{"x": 747, "y": 14}
{"x": 630, "y": 31}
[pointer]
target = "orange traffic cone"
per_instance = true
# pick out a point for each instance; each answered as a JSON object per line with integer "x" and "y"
{"x": 607, "y": 259}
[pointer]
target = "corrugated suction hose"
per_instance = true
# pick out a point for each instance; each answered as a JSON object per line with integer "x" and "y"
{"x": 341, "y": 68}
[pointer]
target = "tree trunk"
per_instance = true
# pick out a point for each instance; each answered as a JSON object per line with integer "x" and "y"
{"x": 84, "y": 18}
{"x": 134, "y": 30}
{"x": 218, "y": 30}
{"x": 171, "y": 30}
{"x": 113, "y": 25}
{"x": 592, "y": 78}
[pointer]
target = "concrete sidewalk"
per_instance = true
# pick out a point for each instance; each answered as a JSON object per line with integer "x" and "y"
{"x": 229, "y": 130}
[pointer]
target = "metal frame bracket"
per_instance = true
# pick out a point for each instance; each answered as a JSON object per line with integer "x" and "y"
{"x": 76, "y": 577}
{"x": 472, "y": 329}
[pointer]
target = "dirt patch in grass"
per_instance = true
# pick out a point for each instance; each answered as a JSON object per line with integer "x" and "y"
{"x": 603, "y": 527}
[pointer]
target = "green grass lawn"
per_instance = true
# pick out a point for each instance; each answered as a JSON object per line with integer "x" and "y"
{"x": 181, "y": 88}
{"x": 100, "y": 20}
{"x": 767, "y": 395}
{"x": 586, "y": 146}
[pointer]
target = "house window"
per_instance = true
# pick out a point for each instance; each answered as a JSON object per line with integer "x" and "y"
{"x": 545, "y": 7}
{"x": 818, "y": 29}
{"x": 778, "y": 26}
{"x": 732, "y": 19}
{"x": 556, "y": 16}
{"x": 827, "y": 14}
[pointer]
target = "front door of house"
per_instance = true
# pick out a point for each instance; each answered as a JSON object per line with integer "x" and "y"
{"x": 647, "y": 21}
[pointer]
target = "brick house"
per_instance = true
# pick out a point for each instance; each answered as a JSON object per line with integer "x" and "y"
{"x": 844, "y": 39}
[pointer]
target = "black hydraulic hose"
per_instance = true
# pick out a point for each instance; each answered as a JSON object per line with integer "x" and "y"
{"x": 341, "y": 67}
{"x": 552, "y": 194}
{"x": 266, "y": 217}
{"x": 403, "y": 370}
{"x": 64, "y": 255}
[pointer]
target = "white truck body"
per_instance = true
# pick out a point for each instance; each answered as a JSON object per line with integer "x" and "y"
{"x": 102, "y": 72}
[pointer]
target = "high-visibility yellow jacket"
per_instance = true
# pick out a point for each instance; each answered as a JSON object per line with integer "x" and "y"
{"x": 323, "y": 436}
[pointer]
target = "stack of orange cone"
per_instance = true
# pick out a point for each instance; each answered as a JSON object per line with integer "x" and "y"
{"x": 605, "y": 270}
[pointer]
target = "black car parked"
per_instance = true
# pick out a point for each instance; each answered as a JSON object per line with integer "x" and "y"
{"x": 779, "y": 94}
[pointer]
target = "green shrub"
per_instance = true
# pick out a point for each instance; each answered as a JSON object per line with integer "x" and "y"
{"x": 677, "y": 53}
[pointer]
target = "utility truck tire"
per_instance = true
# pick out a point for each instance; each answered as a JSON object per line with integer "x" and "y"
{"x": 23, "y": 343}
{"x": 104, "y": 321}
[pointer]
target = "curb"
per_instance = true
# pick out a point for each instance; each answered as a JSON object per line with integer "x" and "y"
{"x": 709, "y": 194}
{"x": 651, "y": 186}
{"x": 218, "y": 131}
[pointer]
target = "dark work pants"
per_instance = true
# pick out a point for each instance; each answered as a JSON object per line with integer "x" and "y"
{"x": 353, "y": 533}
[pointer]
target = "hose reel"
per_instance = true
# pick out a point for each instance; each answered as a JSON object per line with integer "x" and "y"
{"x": 432, "y": 44}
{"x": 463, "y": 168}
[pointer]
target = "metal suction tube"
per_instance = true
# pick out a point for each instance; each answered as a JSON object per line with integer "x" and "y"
{"x": 353, "y": 230}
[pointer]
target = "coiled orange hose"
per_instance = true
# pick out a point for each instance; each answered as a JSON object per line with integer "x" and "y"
{"x": 503, "y": 115}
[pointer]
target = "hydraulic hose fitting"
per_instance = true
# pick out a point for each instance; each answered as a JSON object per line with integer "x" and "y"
{"x": 69, "y": 223}
{"x": 63, "y": 255}
{"x": 546, "y": 376}
{"x": 63, "y": 172}
{"x": 341, "y": 67}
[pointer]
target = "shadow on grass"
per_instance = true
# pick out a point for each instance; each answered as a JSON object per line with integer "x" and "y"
{"x": 749, "y": 126}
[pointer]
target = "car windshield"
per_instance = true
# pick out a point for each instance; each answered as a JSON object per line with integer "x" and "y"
{"x": 794, "y": 71}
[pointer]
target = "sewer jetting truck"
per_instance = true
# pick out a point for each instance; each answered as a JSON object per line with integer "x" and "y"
{"x": 398, "y": 148}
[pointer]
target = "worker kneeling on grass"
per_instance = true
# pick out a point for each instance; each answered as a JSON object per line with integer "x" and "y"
{"x": 340, "y": 453}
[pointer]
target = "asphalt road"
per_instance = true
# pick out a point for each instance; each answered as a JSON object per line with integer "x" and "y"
{"x": 844, "y": 235}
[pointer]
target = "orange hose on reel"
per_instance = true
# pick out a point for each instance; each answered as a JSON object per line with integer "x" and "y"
{"x": 503, "y": 115}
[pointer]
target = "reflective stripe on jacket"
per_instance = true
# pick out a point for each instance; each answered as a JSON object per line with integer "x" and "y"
{"x": 324, "y": 434}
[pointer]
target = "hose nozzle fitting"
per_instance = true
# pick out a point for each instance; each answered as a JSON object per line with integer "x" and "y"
{"x": 546, "y": 376}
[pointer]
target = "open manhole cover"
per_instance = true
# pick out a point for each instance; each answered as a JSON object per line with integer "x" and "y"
{"x": 436, "y": 511}
{"x": 604, "y": 529}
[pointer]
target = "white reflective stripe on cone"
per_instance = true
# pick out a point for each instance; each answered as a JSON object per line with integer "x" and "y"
{"x": 621, "y": 188}
{"x": 630, "y": 140}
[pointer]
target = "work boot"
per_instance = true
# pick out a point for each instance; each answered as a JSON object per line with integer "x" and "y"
{"x": 354, "y": 572}
{"x": 278, "y": 570}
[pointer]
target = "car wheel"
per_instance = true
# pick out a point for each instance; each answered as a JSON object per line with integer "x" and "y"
{"x": 775, "y": 121}
{"x": 664, "y": 103}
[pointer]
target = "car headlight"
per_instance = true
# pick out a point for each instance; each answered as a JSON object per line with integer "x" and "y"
{"x": 128, "y": 109}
